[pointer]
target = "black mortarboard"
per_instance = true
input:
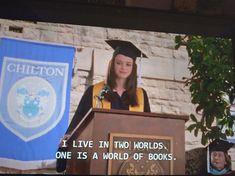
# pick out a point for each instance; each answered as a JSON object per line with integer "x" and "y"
{"x": 126, "y": 48}
{"x": 220, "y": 145}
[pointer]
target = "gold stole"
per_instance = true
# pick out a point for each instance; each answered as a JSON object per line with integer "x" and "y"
{"x": 107, "y": 105}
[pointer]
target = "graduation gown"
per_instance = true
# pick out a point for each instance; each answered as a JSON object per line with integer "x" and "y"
{"x": 116, "y": 103}
{"x": 85, "y": 105}
{"x": 229, "y": 173}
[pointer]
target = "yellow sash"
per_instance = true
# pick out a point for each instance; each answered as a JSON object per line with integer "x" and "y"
{"x": 107, "y": 105}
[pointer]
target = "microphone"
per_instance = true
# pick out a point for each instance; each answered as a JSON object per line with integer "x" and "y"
{"x": 101, "y": 96}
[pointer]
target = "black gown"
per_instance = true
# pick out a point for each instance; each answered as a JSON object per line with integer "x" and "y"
{"x": 85, "y": 105}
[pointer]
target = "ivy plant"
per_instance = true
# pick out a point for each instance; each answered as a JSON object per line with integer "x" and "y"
{"x": 211, "y": 85}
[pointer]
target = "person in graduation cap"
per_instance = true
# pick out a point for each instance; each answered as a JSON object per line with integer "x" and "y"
{"x": 219, "y": 160}
{"x": 120, "y": 90}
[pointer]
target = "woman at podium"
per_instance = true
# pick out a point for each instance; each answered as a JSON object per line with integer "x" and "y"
{"x": 119, "y": 91}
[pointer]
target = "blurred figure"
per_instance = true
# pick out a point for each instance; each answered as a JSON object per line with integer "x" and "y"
{"x": 219, "y": 162}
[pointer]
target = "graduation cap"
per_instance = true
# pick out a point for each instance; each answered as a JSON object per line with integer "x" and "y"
{"x": 220, "y": 145}
{"x": 126, "y": 48}
{"x": 217, "y": 145}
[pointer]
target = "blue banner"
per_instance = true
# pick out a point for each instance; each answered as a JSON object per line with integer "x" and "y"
{"x": 35, "y": 81}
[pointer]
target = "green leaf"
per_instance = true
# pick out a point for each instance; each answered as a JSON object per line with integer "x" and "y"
{"x": 177, "y": 39}
{"x": 199, "y": 108}
{"x": 209, "y": 121}
{"x": 193, "y": 117}
{"x": 196, "y": 131}
{"x": 204, "y": 139}
{"x": 177, "y": 46}
{"x": 191, "y": 127}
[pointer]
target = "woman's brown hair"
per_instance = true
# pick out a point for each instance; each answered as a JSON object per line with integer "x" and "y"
{"x": 130, "y": 85}
{"x": 228, "y": 160}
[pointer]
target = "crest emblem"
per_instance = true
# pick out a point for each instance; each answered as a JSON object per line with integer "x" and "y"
{"x": 28, "y": 101}
{"x": 32, "y": 96}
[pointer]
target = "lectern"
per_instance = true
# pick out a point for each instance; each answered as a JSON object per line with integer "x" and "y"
{"x": 128, "y": 143}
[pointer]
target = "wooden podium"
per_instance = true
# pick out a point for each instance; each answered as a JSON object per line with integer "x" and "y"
{"x": 139, "y": 143}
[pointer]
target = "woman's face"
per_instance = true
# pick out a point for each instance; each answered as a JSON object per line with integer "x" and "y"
{"x": 123, "y": 66}
{"x": 218, "y": 160}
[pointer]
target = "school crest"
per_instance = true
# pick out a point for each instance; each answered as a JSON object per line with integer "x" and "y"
{"x": 32, "y": 96}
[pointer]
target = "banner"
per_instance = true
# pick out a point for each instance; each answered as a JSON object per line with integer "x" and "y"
{"x": 35, "y": 81}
